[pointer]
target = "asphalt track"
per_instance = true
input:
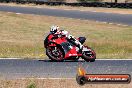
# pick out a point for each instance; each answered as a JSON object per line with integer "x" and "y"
{"x": 22, "y": 68}
{"x": 124, "y": 19}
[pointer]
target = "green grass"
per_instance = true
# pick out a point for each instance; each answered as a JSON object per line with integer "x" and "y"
{"x": 22, "y": 35}
{"x": 32, "y": 85}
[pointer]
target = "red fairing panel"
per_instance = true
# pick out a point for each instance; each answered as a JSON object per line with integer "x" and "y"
{"x": 60, "y": 40}
{"x": 50, "y": 37}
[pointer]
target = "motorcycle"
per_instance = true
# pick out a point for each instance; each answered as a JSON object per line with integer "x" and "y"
{"x": 59, "y": 48}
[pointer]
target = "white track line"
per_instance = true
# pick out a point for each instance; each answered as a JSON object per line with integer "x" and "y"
{"x": 18, "y": 13}
{"x": 11, "y": 58}
{"x": 113, "y": 59}
{"x": 112, "y": 23}
{"x": 48, "y": 78}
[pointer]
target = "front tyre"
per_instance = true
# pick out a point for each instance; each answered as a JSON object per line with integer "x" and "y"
{"x": 55, "y": 53}
{"x": 89, "y": 55}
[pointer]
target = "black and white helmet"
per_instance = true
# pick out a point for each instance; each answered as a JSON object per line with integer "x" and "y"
{"x": 54, "y": 29}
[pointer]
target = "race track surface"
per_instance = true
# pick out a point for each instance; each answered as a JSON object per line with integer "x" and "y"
{"x": 85, "y": 15}
{"x": 20, "y": 68}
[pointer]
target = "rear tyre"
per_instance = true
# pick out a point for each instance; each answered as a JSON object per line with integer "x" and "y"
{"x": 89, "y": 56}
{"x": 55, "y": 53}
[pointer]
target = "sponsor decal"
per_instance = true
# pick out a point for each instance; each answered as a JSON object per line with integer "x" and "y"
{"x": 82, "y": 78}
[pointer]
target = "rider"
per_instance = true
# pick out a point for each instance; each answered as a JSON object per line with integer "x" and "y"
{"x": 55, "y": 30}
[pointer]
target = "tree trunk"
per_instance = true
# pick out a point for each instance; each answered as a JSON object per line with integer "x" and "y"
{"x": 116, "y": 1}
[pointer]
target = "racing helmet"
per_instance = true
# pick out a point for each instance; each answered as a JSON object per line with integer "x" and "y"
{"x": 54, "y": 29}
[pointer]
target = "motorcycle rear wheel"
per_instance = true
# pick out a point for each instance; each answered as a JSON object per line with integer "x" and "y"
{"x": 89, "y": 56}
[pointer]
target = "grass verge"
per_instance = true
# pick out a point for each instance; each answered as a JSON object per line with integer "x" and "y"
{"x": 22, "y": 35}
{"x": 54, "y": 83}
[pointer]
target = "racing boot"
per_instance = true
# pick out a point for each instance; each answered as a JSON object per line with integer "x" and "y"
{"x": 80, "y": 48}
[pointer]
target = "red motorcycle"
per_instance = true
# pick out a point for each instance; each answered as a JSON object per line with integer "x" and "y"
{"x": 59, "y": 48}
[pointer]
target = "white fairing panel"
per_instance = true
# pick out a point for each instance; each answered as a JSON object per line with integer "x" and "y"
{"x": 86, "y": 49}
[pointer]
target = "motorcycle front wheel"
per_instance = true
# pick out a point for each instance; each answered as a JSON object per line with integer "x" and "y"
{"x": 55, "y": 53}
